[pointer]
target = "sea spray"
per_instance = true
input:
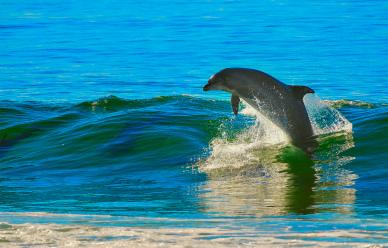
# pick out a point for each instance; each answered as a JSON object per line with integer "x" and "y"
{"x": 242, "y": 149}
{"x": 325, "y": 119}
{"x": 261, "y": 142}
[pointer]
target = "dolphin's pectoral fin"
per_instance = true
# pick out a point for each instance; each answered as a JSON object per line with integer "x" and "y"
{"x": 300, "y": 91}
{"x": 235, "y": 101}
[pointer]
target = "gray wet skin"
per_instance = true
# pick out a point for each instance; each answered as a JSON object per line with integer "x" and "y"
{"x": 280, "y": 103}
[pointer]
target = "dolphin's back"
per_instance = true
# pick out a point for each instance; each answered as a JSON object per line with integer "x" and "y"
{"x": 281, "y": 103}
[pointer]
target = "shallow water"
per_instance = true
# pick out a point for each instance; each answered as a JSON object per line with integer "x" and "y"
{"x": 103, "y": 121}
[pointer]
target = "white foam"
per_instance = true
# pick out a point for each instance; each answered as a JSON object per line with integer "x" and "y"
{"x": 264, "y": 132}
{"x": 238, "y": 151}
{"x": 243, "y": 149}
{"x": 55, "y": 235}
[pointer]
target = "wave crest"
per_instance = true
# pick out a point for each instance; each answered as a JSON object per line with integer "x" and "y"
{"x": 113, "y": 103}
{"x": 351, "y": 103}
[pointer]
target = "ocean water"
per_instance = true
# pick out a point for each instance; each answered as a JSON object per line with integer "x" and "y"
{"x": 105, "y": 131}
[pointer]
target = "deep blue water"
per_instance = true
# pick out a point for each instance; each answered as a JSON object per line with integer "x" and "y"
{"x": 102, "y": 110}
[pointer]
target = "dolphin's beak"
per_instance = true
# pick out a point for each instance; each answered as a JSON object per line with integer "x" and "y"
{"x": 206, "y": 87}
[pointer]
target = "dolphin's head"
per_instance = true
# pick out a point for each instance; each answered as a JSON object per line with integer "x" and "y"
{"x": 215, "y": 82}
{"x": 218, "y": 81}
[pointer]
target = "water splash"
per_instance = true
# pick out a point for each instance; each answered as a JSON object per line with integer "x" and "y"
{"x": 325, "y": 119}
{"x": 241, "y": 150}
{"x": 261, "y": 142}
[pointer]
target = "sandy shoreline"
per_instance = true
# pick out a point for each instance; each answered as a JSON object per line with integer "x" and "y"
{"x": 58, "y": 235}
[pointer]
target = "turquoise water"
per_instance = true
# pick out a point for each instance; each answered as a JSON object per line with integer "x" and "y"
{"x": 102, "y": 113}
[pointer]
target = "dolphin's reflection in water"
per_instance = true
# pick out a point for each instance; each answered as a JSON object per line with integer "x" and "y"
{"x": 269, "y": 182}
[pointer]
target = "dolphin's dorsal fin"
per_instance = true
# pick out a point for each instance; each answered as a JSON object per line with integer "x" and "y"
{"x": 300, "y": 91}
{"x": 235, "y": 100}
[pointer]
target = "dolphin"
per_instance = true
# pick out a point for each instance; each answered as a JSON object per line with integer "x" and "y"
{"x": 282, "y": 104}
